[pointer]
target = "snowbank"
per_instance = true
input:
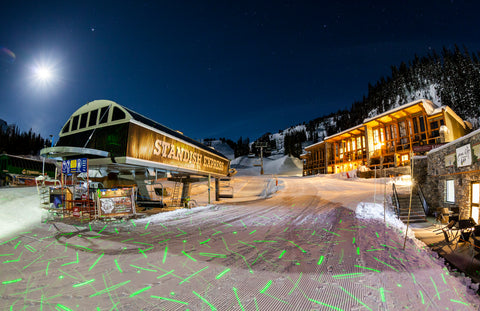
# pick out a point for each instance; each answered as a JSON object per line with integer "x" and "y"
{"x": 375, "y": 211}
{"x": 19, "y": 210}
{"x": 166, "y": 216}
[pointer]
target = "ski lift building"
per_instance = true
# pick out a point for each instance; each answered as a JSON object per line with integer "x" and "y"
{"x": 116, "y": 138}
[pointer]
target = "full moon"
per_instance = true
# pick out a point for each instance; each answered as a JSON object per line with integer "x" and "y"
{"x": 43, "y": 73}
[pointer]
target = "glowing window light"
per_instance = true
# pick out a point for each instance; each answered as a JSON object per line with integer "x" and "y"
{"x": 450, "y": 191}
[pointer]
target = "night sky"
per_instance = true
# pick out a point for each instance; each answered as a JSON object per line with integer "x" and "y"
{"x": 213, "y": 69}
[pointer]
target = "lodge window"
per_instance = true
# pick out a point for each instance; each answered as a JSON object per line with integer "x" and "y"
{"x": 435, "y": 127}
{"x": 450, "y": 191}
{"x": 475, "y": 201}
{"x": 390, "y": 134}
{"x": 93, "y": 118}
{"x": 378, "y": 138}
{"x": 75, "y": 123}
{"x": 403, "y": 132}
{"x": 422, "y": 124}
{"x": 393, "y": 130}
{"x": 415, "y": 125}
{"x": 419, "y": 128}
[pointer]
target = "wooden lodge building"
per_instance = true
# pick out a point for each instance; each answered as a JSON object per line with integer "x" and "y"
{"x": 387, "y": 140}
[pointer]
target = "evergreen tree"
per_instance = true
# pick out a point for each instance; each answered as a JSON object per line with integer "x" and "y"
{"x": 14, "y": 142}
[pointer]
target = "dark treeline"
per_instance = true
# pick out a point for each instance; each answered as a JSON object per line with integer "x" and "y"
{"x": 451, "y": 78}
{"x": 12, "y": 141}
{"x": 293, "y": 143}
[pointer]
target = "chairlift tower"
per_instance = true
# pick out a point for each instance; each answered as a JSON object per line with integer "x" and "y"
{"x": 261, "y": 145}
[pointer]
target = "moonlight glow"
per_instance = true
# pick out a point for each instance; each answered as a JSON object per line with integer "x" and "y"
{"x": 43, "y": 73}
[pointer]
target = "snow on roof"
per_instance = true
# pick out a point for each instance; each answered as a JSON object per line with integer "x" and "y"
{"x": 314, "y": 145}
{"x": 427, "y": 105}
{"x": 344, "y": 132}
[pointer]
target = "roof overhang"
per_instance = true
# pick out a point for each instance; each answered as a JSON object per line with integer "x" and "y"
{"x": 67, "y": 151}
{"x": 353, "y": 131}
{"x": 316, "y": 145}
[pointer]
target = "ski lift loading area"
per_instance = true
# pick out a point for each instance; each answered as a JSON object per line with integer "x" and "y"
{"x": 115, "y": 159}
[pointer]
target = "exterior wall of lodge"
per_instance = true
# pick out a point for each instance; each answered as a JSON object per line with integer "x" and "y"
{"x": 385, "y": 141}
{"x": 452, "y": 174}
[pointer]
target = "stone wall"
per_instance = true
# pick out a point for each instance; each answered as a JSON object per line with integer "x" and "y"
{"x": 392, "y": 171}
{"x": 444, "y": 164}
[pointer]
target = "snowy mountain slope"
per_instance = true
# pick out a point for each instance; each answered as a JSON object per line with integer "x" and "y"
{"x": 223, "y": 148}
{"x": 274, "y": 165}
{"x": 220, "y": 146}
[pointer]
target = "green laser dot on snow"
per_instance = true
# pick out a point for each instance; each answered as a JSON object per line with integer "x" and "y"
{"x": 234, "y": 232}
{"x": 399, "y": 285}
{"x": 61, "y": 277}
{"x": 172, "y": 293}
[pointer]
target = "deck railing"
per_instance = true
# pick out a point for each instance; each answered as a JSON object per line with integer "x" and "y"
{"x": 422, "y": 199}
{"x": 396, "y": 203}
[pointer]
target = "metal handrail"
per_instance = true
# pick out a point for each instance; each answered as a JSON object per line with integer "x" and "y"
{"x": 426, "y": 208}
{"x": 396, "y": 202}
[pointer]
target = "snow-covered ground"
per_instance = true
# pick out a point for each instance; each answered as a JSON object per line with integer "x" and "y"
{"x": 19, "y": 209}
{"x": 308, "y": 243}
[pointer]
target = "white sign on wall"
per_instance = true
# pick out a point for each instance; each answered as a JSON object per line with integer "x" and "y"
{"x": 464, "y": 156}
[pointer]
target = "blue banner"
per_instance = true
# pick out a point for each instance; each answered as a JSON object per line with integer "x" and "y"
{"x": 74, "y": 166}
